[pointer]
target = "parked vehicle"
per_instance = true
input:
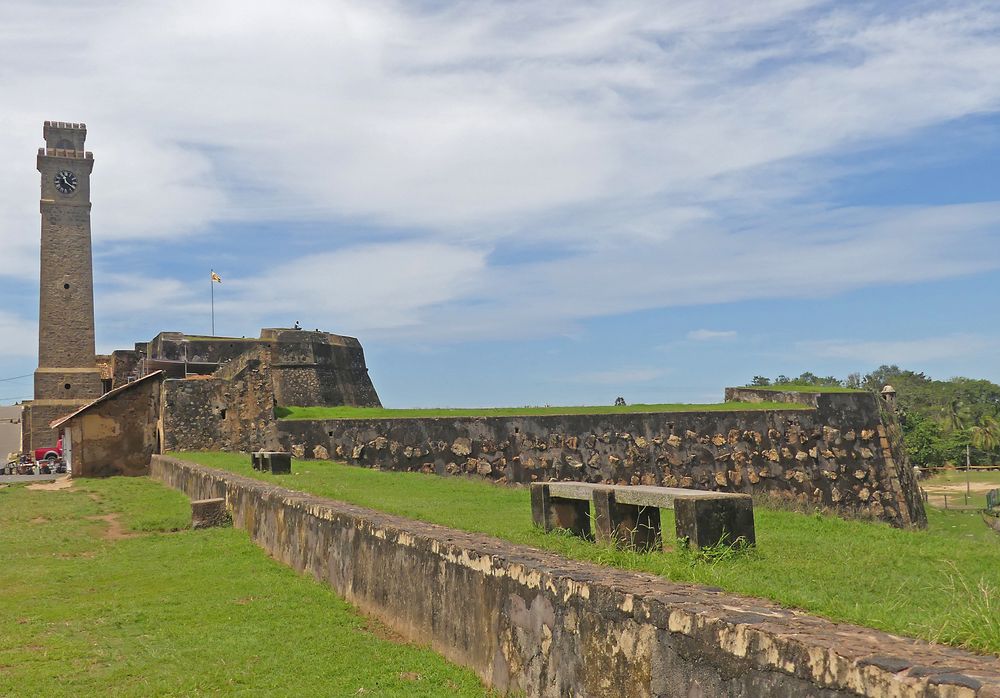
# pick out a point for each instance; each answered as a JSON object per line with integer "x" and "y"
{"x": 49, "y": 452}
{"x": 25, "y": 466}
{"x": 60, "y": 466}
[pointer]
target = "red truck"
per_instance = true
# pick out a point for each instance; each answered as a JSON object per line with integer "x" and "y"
{"x": 49, "y": 452}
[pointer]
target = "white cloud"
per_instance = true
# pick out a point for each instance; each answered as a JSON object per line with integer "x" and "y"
{"x": 625, "y": 376}
{"x": 904, "y": 352}
{"x": 710, "y": 335}
{"x": 370, "y": 287}
{"x": 656, "y": 146}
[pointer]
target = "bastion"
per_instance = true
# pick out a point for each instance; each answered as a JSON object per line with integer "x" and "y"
{"x": 842, "y": 451}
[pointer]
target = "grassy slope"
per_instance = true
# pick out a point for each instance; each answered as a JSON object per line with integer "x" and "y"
{"x": 793, "y": 388}
{"x": 918, "y": 583}
{"x": 187, "y": 613}
{"x": 384, "y": 413}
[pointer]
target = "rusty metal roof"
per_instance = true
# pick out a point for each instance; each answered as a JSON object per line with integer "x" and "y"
{"x": 55, "y": 424}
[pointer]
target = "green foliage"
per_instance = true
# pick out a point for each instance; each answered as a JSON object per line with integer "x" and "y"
{"x": 184, "y": 613}
{"x": 866, "y": 573}
{"x": 807, "y": 382}
{"x": 806, "y": 388}
{"x": 940, "y": 418}
{"x": 344, "y": 412}
{"x": 923, "y": 441}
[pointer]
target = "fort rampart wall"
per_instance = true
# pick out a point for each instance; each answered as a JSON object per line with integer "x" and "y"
{"x": 837, "y": 451}
{"x": 532, "y": 622}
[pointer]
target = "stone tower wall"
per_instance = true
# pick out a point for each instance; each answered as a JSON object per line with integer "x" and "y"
{"x": 67, "y": 375}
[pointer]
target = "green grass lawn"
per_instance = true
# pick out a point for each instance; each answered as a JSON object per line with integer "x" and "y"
{"x": 388, "y": 413}
{"x": 178, "y": 613}
{"x": 953, "y": 484}
{"x": 795, "y": 388}
{"x": 942, "y": 584}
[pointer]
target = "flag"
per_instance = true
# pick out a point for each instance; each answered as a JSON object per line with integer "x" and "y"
{"x": 216, "y": 278}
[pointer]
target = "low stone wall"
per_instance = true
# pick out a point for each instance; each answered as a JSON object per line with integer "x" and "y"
{"x": 534, "y": 622}
{"x": 834, "y": 452}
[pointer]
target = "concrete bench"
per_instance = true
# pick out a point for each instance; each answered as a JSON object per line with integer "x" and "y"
{"x": 630, "y": 515}
{"x": 276, "y": 462}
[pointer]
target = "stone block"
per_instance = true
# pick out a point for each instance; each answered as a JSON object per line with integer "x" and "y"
{"x": 276, "y": 462}
{"x": 705, "y": 522}
{"x": 626, "y": 525}
{"x": 557, "y": 512}
{"x": 207, "y": 513}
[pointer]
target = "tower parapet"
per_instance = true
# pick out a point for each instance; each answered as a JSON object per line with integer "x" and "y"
{"x": 64, "y": 135}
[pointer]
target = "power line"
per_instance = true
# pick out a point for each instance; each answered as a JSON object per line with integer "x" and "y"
{"x": 14, "y": 378}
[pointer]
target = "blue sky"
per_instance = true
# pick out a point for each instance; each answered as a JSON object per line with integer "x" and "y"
{"x": 527, "y": 203}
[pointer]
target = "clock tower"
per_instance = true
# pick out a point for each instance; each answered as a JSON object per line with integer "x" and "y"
{"x": 67, "y": 377}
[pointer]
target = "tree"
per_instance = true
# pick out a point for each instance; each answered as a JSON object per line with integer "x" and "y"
{"x": 986, "y": 435}
{"x": 923, "y": 441}
{"x": 760, "y": 381}
{"x": 955, "y": 416}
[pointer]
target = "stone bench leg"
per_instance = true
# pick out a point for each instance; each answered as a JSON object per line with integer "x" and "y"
{"x": 627, "y": 525}
{"x": 555, "y": 512}
{"x": 279, "y": 463}
{"x": 708, "y": 522}
{"x": 255, "y": 461}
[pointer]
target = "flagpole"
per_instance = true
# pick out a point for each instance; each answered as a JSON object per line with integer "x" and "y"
{"x": 211, "y": 282}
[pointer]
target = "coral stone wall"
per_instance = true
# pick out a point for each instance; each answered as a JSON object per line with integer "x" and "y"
{"x": 306, "y": 368}
{"x": 836, "y": 455}
{"x": 317, "y": 368}
{"x": 193, "y": 415}
{"x": 231, "y": 411}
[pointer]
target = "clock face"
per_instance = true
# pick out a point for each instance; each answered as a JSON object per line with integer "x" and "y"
{"x": 65, "y": 182}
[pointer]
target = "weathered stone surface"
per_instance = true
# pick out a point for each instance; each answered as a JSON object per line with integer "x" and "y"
{"x": 320, "y": 453}
{"x": 207, "y": 513}
{"x": 524, "y": 619}
{"x": 707, "y": 522}
{"x": 718, "y": 449}
{"x": 116, "y": 434}
{"x": 275, "y": 462}
{"x": 462, "y": 446}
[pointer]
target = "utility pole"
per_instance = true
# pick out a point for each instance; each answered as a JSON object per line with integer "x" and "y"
{"x": 968, "y": 467}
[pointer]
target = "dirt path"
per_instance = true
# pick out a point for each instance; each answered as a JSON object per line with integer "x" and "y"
{"x": 62, "y": 483}
{"x": 115, "y": 530}
{"x": 959, "y": 487}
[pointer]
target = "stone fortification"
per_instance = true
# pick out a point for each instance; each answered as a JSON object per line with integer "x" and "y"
{"x": 533, "y": 623}
{"x": 318, "y": 368}
{"x": 306, "y": 368}
{"x": 231, "y": 410}
{"x": 835, "y": 452}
